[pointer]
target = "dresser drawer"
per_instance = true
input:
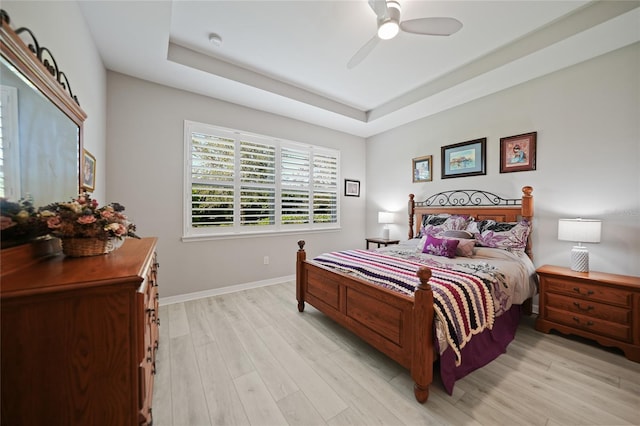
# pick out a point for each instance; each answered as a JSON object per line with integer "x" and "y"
{"x": 591, "y": 324}
{"x": 589, "y": 308}
{"x": 593, "y": 292}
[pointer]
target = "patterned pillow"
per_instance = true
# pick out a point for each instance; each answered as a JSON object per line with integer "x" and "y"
{"x": 503, "y": 235}
{"x": 440, "y": 246}
{"x": 437, "y": 224}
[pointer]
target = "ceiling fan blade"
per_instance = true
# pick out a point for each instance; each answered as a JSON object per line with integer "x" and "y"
{"x": 363, "y": 52}
{"x": 432, "y": 26}
{"x": 380, "y": 8}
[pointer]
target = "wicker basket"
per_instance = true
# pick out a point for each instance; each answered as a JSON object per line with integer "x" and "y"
{"x": 79, "y": 247}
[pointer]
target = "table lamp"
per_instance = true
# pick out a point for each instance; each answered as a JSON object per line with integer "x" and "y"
{"x": 579, "y": 231}
{"x": 385, "y": 218}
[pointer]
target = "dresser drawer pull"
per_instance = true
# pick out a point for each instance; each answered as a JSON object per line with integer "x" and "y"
{"x": 588, "y": 293}
{"x": 588, "y": 323}
{"x": 577, "y": 305}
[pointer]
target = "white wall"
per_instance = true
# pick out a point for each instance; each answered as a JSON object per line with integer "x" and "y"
{"x": 60, "y": 27}
{"x": 588, "y": 156}
{"x": 145, "y": 173}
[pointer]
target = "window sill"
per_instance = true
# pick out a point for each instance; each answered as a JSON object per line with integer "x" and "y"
{"x": 238, "y": 235}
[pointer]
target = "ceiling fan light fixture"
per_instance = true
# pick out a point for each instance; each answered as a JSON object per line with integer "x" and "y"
{"x": 388, "y": 30}
{"x": 389, "y": 27}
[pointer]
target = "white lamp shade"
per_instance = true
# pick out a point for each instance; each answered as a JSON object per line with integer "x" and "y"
{"x": 385, "y": 217}
{"x": 579, "y": 230}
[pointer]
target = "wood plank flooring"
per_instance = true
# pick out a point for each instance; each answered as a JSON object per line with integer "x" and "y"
{"x": 250, "y": 358}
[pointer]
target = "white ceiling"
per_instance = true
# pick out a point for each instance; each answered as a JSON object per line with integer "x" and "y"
{"x": 289, "y": 57}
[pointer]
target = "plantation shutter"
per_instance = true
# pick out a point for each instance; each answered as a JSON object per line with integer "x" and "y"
{"x": 245, "y": 183}
{"x": 212, "y": 180}
{"x": 257, "y": 180}
{"x": 294, "y": 177}
{"x": 325, "y": 188}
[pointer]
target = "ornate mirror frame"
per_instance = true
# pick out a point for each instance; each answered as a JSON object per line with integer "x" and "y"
{"x": 37, "y": 64}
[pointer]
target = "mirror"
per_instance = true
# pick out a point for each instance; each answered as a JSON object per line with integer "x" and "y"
{"x": 41, "y": 133}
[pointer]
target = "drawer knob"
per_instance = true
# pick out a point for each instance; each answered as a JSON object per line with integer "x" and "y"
{"x": 588, "y": 293}
{"x": 577, "y": 305}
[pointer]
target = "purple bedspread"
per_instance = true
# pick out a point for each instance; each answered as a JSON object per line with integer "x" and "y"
{"x": 482, "y": 349}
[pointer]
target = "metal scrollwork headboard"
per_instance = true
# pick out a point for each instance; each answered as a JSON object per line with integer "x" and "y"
{"x": 467, "y": 197}
{"x": 475, "y": 203}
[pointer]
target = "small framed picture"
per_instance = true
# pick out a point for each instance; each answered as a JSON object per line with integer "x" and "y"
{"x": 464, "y": 159}
{"x": 422, "y": 170}
{"x": 88, "y": 171}
{"x": 518, "y": 153}
{"x": 351, "y": 188}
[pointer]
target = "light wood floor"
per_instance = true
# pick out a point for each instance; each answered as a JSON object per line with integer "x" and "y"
{"x": 251, "y": 358}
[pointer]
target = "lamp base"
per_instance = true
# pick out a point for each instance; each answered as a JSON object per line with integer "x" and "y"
{"x": 385, "y": 234}
{"x": 580, "y": 259}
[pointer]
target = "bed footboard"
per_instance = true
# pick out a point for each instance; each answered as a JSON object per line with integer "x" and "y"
{"x": 398, "y": 325}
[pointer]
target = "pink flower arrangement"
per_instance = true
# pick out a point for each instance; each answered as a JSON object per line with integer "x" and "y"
{"x": 82, "y": 218}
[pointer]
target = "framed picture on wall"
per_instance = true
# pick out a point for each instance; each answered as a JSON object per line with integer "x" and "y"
{"x": 518, "y": 153}
{"x": 464, "y": 159}
{"x": 422, "y": 170}
{"x": 351, "y": 188}
{"x": 88, "y": 171}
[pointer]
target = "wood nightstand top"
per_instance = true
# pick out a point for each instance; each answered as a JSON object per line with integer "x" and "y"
{"x": 380, "y": 241}
{"x": 595, "y": 276}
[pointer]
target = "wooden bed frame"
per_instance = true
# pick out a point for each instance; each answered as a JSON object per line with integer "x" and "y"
{"x": 398, "y": 325}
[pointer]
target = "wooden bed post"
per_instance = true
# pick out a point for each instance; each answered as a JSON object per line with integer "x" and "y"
{"x": 422, "y": 360}
{"x": 301, "y": 257}
{"x": 411, "y": 210}
{"x": 527, "y": 213}
{"x": 527, "y": 202}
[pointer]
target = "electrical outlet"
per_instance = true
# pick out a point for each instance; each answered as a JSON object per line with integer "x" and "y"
{"x": 266, "y": 260}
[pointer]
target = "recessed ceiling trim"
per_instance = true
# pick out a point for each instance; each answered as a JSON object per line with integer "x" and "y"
{"x": 193, "y": 59}
{"x": 582, "y": 19}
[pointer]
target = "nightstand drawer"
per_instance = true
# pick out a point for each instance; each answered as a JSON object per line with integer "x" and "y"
{"x": 589, "y": 308}
{"x": 593, "y": 325}
{"x": 597, "y": 293}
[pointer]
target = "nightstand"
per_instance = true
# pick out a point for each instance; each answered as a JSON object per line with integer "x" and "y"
{"x": 595, "y": 305}
{"x": 380, "y": 241}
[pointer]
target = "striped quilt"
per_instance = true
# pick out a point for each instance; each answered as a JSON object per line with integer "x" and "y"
{"x": 462, "y": 302}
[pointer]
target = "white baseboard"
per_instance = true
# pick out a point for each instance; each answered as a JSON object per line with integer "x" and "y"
{"x": 224, "y": 290}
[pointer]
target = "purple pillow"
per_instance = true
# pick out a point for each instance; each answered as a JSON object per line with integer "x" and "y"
{"x": 440, "y": 246}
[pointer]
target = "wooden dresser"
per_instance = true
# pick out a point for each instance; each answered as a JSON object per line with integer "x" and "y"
{"x": 79, "y": 339}
{"x": 599, "y": 306}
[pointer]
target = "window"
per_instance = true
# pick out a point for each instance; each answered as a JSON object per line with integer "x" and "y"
{"x": 239, "y": 183}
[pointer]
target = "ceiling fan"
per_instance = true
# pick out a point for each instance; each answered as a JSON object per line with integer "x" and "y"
{"x": 388, "y": 13}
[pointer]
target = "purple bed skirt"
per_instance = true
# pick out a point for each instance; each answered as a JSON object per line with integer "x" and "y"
{"x": 481, "y": 349}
